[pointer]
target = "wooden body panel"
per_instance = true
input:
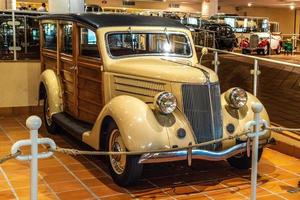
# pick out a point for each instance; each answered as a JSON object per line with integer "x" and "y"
{"x": 80, "y": 76}
{"x": 67, "y": 73}
{"x": 90, "y": 92}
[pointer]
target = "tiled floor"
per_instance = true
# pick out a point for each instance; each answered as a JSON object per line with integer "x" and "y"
{"x": 67, "y": 177}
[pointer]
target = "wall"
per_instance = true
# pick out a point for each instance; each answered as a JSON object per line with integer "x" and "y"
{"x": 19, "y": 83}
{"x": 184, "y": 7}
{"x": 284, "y": 16}
{"x": 3, "y": 4}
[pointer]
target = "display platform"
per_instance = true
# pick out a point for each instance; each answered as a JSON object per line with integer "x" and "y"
{"x": 86, "y": 177}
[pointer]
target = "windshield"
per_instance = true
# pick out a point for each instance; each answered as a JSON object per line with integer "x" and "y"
{"x": 134, "y": 44}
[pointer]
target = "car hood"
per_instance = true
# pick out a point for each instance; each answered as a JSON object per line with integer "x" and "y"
{"x": 166, "y": 69}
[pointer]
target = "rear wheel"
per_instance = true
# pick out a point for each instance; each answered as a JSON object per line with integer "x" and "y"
{"x": 125, "y": 170}
{"x": 265, "y": 50}
{"x": 243, "y": 161}
{"x": 49, "y": 123}
{"x": 258, "y": 51}
{"x": 245, "y": 51}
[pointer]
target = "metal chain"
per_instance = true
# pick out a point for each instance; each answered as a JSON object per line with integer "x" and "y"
{"x": 9, "y": 157}
{"x": 75, "y": 152}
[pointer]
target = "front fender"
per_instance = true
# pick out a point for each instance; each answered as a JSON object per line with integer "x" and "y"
{"x": 239, "y": 117}
{"x": 53, "y": 89}
{"x": 140, "y": 127}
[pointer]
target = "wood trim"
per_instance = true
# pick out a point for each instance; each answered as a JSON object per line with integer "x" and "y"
{"x": 90, "y": 101}
{"x": 58, "y": 46}
{"x": 75, "y": 51}
{"x": 66, "y": 58}
{"x": 49, "y": 54}
{"x": 90, "y": 79}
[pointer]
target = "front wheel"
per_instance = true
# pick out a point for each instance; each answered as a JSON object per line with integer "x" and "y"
{"x": 124, "y": 169}
{"x": 243, "y": 161}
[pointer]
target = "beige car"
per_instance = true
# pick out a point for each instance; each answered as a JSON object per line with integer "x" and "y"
{"x": 133, "y": 83}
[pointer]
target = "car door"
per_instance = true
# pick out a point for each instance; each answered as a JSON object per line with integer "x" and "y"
{"x": 67, "y": 66}
{"x": 89, "y": 75}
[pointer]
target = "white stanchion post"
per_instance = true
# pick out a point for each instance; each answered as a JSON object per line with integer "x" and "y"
{"x": 255, "y": 77}
{"x": 257, "y": 108}
{"x": 34, "y": 123}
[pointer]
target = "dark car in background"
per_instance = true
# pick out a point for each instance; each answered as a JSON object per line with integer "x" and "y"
{"x": 225, "y": 38}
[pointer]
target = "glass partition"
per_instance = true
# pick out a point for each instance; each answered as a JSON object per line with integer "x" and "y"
{"x": 27, "y": 36}
{"x": 244, "y": 24}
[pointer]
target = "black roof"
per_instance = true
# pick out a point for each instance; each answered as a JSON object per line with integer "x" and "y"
{"x": 98, "y": 20}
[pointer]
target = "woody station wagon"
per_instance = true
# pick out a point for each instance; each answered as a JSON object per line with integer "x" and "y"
{"x": 133, "y": 83}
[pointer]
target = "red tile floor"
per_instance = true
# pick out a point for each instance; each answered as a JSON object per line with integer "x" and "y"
{"x": 85, "y": 177}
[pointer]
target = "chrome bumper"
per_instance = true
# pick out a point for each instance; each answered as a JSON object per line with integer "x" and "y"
{"x": 192, "y": 154}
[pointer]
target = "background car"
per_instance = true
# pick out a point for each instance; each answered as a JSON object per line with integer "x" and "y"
{"x": 224, "y": 36}
{"x": 262, "y": 43}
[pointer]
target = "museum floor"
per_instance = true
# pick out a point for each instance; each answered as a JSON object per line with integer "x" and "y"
{"x": 80, "y": 177}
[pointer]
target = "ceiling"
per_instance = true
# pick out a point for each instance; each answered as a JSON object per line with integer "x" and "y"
{"x": 265, "y": 3}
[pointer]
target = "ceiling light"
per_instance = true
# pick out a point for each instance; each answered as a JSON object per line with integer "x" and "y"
{"x": 250, "y": 4}
{"x": 292, "y": 7}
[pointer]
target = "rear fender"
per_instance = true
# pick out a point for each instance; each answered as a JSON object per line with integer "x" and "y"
{"x": 51, "y": 83}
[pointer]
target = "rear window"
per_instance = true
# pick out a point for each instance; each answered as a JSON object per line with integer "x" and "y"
{"x": 50, "y": 39}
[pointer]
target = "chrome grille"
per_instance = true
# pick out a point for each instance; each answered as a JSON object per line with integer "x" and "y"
{"x": 202, "y": 107}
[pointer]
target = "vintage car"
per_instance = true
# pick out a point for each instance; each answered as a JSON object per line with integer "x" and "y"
{"x": 224, "y": 36}
{"x": 262, "y": 43}
{"x": 133, "y": 83}
{"x": 253, "y": 33}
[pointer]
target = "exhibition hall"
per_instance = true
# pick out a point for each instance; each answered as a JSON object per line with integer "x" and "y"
{"x": 149, "y": 99}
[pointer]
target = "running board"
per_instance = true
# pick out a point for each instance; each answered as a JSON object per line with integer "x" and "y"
{"x": 71, "y": 125}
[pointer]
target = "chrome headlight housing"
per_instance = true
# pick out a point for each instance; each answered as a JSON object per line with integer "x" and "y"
{"x": 165, "y": 102}
{"x": 237, "y": 98}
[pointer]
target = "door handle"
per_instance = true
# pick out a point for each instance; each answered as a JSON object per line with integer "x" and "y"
{"x": 74, "y": 67}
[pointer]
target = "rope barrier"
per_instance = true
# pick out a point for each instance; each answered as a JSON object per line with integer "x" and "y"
{"x": 280, "y": 129}
{"x": 9, "y": 157}
{"x": 76, "y": 152}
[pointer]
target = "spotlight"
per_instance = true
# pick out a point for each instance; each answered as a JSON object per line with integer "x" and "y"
{"x": 292, "y": 7}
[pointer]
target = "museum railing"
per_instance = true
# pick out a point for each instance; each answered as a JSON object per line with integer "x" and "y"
{"x": 204, "y": 37}
{"x": 19, "y": 35}
{"x": 275, "y": 82}
{"x": 255, "y": 71}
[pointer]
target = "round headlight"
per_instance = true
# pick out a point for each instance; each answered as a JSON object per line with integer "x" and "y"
{"x": 237, "y": 98}
{"x": 165, "y": 102}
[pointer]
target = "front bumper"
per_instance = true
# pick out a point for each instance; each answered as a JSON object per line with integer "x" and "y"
{"x": 198, "y": 154}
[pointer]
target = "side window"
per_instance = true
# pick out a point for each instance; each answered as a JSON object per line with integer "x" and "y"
{"x": 67, "y": 39}
{"x": 88, "y": 43}
{"x": 50, "y": 39}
